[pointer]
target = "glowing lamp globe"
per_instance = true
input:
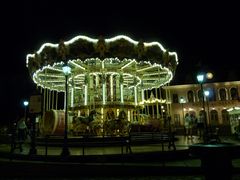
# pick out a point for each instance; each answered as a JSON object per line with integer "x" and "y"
{"x": 66, "y": 69}
{"x": 209, "y": 75}
{"x": 200, "y": 78}
{"x": 25, "y": 103}
{"x": 206, "y": 93}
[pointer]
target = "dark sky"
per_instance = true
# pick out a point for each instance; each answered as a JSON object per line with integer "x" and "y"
{"x": 204, "y": 35}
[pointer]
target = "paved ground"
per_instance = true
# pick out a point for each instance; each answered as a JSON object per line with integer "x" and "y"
{"x": 165, "y": 165}
{"x": 181, "y": 144}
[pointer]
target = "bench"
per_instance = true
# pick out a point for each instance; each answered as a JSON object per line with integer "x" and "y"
{"x": 122, "y": 141}
{"x": 89, "y": 141}
{"x": 15, "y": 143}
{"x": 153, "y": 137}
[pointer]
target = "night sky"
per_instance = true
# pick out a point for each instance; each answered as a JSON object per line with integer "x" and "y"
{"x": 204, "y": 35}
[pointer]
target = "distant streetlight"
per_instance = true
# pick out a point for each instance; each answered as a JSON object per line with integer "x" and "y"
{"x": 201, "y": 79}
{"x": 65, "y": 151}
{"x": 25, "y": 103}
{"x": 182, "y": 101}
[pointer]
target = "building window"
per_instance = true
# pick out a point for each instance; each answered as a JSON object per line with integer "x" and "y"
{"x": 190, "y": 96}
{"x": 222, "y": 94}
{"x": 234, "y": 93}
{"x": 201, "y": 113}
{"x": 225, "y": 117}
{"x": 199, "y": 95}
{"x": 175, "y": 98}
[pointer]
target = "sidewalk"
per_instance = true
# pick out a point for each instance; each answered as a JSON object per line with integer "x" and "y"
{"x": 145, "y": 159}
{"x": 181, "y": 144}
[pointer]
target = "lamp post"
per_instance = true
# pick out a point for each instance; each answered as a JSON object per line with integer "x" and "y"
{"x": 200, "y": 79}
{"x": 65, "y": 151}
{"x": 216, "y": 157}
{"x": 182, "y": 100}
{"x": 25, "y": 103}
{"x": 206, "y": 93}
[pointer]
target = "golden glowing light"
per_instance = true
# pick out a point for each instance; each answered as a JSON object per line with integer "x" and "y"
{"x": 209, "y": 75}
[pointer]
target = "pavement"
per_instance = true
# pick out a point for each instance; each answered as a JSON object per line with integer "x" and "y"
{"x": 145, "y": 160}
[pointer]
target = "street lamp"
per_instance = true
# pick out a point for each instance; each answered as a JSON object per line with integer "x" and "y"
{"x": 25, "y": 103}
{"x": 65, "y": 151}
{"x": 200, "y": 79}
{"x": 182, "y": 100}
{"x": 206, "y": 93}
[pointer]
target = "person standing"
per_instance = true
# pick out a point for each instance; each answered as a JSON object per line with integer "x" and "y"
{"x": 200, "y": 125}
{"x": 188, "y": 125}
{"x": 193, "y": 124}
{"x": 22, "y": 130}
{"x": 13, "y": 134}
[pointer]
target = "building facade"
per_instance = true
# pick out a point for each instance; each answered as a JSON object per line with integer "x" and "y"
{"x": 188, "y": 99}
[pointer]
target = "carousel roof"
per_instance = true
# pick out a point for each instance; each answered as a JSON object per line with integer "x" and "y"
{"x": 138, "y": 63}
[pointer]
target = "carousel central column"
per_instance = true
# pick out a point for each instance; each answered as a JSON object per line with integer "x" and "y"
{"x": 103, "y": 84}
{"x": 121, "y": 88}
{"x": 91, "y": 93}
{"x": 47, "y": 95}
{"x": 97, "y": 90}
{"x": 72, "y": 96}
{"x": 143, "y": 95}
{"x": 97, "y": 81}
{"x": 135, "y": 92}
{"x": 104, "y": 88}
{"x": 121, "y": 92}
{"x": 153, "y": 104}
{"x": 117, "y": 88}
{"x": 157, "y": 103}
{"x": 111, "y": 87}
{"x": 135, "y": 95}
{"x": 148, "y": 112}
{"x": 86, "y": 90}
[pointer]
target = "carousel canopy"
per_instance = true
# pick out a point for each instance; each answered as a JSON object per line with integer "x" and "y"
{"x": 146, "y": 65}
{"x": 234, "y": 110}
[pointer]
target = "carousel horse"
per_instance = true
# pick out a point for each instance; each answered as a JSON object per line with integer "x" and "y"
{"x": 83, "y": 124}
{"x": 117, "y": 125}
{"x": 88, "y": 119}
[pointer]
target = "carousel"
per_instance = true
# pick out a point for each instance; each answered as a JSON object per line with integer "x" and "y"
{"x": 107, "y": 84}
